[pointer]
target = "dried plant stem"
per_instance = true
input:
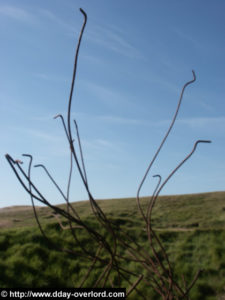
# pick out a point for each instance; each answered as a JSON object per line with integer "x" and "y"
{"x": 112, "y": 246}
{"x": 163, "y": 141}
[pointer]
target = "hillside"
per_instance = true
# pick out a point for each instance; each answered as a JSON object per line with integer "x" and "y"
{"x": 191, "y": 228}
{"x": 203, "y": 211}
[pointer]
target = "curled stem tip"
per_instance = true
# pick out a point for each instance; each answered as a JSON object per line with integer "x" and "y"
{"x": 194, "y": 75}
{"x": 7, "y": 156}
{"x": 36, "y": 166}
{"x": 202, "y": 141}
{"x": 83, "y": 12}
{"x": 57, "y": 116}
{"x": 27, "y": 155}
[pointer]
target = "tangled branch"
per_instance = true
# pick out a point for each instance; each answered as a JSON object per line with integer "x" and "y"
{"x": 159, "y": 273}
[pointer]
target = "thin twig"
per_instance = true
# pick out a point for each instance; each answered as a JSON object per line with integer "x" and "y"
{"x": 164, "y": 139}
{"x": 57, "y": 186}
{"x": 32, "y": 199}
{"x": 134, "y": 285}
{"x": 81, "y": 152}
{"x": 64, "y": 125}
{"x": 91, "y": 267}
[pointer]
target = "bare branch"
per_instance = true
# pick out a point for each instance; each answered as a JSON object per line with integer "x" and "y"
{"x": 113, "y": 246}
{"x": 32, "y": 199}
{"x": 165, "y": 137}
{"x": 81, "y": 152}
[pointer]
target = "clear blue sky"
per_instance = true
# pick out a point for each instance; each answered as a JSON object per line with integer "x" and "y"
{"x": 135, "y": 57}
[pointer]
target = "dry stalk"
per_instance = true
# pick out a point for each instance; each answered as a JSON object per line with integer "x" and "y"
{"x": 159, "y": 274}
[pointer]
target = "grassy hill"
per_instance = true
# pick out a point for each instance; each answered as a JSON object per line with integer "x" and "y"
{"x": 192, "y": 228}
{"x": 203, "y": 211}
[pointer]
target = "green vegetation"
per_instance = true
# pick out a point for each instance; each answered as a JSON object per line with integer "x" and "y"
{"x": 192, "y": 228}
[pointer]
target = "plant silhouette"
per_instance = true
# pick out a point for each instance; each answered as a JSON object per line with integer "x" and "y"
{"x": 114, "y": 246}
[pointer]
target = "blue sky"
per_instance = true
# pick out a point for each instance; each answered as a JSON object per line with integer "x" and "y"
{"x": 134, "y": 59}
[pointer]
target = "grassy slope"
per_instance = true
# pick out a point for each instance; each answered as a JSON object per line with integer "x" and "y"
{"x": 203, "y": 211}
{"x": 192, "y": 227}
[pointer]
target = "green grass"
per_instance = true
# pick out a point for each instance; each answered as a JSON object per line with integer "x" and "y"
{"x": 191, "y": 227}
